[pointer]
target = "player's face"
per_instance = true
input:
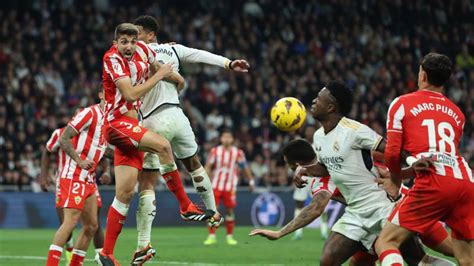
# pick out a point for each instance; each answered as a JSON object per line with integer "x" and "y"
{"x": 126, "y": 45}
{"x": 227, "y": 139}
{"x": 320, "y": 104}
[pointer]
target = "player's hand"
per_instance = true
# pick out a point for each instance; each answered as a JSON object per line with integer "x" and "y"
{"x": 105, "y": 179}
{"x": 423, "y": 165}
{"x": 269, "y": 234}
{"x": 393, "y": 191}
{"x": 240, "y": 65}
{"x": 43, "y": 182}
{"x": 85, "y": 164}
{"x": 165, "y": 70}
{"x": 298, "y": 177}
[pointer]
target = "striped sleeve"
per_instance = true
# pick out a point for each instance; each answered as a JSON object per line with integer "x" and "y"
{"x": 322, "y": 184}
{"x": 52, "y": 145}
{"x": 146, "y": 53}
{"x": 393, "y": 148}
{"x": 396, "y": 113}
{"x": 82, "y": 120}
{"x": 115, "y": 67}
{"x": 211, "y": 158}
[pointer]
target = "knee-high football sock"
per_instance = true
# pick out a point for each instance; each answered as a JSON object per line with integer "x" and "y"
{"x": 203, "y": 187}
{"x": 391, "y": 257}
{"x": 145, "y": 215}
{"x": 77, "y": 257}
{"x": 115, "y": 220}
{"x": 173, "y": 181}
{"x": 229, "y": 224}
{"x": 54, "y": 255}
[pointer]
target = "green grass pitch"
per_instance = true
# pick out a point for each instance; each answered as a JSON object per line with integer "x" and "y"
{"x": 175, "y": 246}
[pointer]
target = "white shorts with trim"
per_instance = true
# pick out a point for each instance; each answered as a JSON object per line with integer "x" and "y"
{"x": 361, "y": 229}
{"x": 171, "y": 123}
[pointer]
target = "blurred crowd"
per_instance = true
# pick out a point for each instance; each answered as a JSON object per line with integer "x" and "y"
{"x": 50, "y": 65}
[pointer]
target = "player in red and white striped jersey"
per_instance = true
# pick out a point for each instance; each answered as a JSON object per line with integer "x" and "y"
{"x": 427, "y": 124}
{"x": 126, "y": 79}
{"x": 81, "y": 145}
{"x": 225, "y": 162}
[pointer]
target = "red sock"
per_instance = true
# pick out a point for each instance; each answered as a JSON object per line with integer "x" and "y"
{"x": 391, "y": 257}
{"x": 77, "y": 257}
{"x": 212, "y": 230}
{"x": 54, "y": 255}
{"x": 115, "y": 221}
{"x": 230, "y": 227}
{"x": 173, "y": 181}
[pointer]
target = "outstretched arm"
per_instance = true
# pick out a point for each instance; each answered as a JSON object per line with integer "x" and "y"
{"x": 307, "y": 215}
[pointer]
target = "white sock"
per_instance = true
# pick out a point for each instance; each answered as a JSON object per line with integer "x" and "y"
{"x": 204, "y": 188}
{"x": 298, "y": 232}
{"x": 54, "y": 247}
{"x": 120, "y": 207}
{"x": 324, "y": 225}
{"x": 98, "y": 250}
{"x": 430, "y": 260}
{"x": 146, "y": 212}
{"x": 390, "y": 257}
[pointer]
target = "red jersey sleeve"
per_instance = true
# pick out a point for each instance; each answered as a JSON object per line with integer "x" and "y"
{"x": 115, "y": 67}
{"x": 392, "y": 154}
{"x": 211, "y": 158}
{"x": 52, "y": 145}
{"x": 82, "y": 120}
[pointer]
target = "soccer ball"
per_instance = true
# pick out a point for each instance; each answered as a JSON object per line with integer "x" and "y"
{"x": 288, "y": 114}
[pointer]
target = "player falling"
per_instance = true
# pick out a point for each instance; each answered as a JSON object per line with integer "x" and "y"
{"x": 82, "y": 147}
{"x": 225, "y": 161}
{"x": 429, "y": 126}
{"x": 130, "y": 71}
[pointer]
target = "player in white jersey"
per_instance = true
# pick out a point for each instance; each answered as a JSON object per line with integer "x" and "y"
{"x": 344, "y": 149}
{"x": 162, "y": 114}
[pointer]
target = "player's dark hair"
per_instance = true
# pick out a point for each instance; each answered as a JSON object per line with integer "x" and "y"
{"x": 125, "y": 29}
{"x": 343, "y": 96}
{"x": 438, "y": 68}
{"x": 227, "y": 130}
{"x": 299, "y": 151}
{"x": 149, "y": 23}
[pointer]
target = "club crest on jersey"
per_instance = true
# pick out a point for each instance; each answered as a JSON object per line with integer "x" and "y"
{"x": 77, "y": 199}
{"x": 137, "y": 129}
{"x": 335, "y": 146}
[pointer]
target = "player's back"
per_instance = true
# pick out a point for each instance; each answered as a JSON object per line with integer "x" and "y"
{"x": 431, "y": 125}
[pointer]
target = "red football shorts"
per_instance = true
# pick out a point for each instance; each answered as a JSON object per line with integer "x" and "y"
{"x": 97, "y": 194}
{"x": 436, "y": 198}
{"x": 125, "y": 134}
{"x": 228, "y": 197}
{"x": 72, "y": 193}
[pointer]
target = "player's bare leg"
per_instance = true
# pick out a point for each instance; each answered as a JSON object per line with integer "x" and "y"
{"x": 89, "y": 228}
{"x": 388, "y": 243}
{"x": 445, "y": 247}
{"x": 71, "y": 217}
{"x": 70, "y": 241}
{"x": 338, "y": 249}
{"x": 203, "y": 186}
{"x": 230, "y": 224}
{"x": 464, "y": 251}
{"x": 98, "y": 237}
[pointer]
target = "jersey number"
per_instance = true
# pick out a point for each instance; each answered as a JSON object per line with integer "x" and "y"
{"x": 443, "y": 138}
{"x": 128, "y": 125}
{"x": 75, "y": 188}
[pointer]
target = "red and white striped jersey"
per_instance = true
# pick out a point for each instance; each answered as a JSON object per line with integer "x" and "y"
{"x": 115, "y": 67}
{"x": 53, "y": 146}
{"x": 226, "y": 164}
{"x": 426, "y": 123}
{"x": 89, "y": 143}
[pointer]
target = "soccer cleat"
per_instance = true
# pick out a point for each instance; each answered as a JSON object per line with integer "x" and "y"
{"x": 230, "y": 240}
{"x": 210, "y": 240}
{"x": 193, "y": 213}
{"x": 107, "y": 260}
{"x": 144, "y": 255}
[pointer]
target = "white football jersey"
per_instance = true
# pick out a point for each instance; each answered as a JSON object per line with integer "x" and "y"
{"x": 165, "y": 92}
{"x": 346, "y": 153}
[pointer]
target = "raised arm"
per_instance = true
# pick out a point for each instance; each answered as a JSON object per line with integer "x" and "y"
{"x": 307, "y": 215}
